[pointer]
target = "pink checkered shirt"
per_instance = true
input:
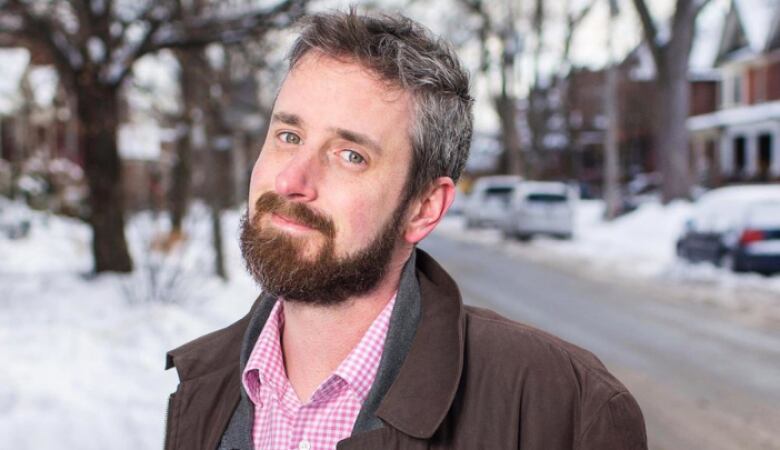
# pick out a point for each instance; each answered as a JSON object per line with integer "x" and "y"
{"x": 281, "y": 421}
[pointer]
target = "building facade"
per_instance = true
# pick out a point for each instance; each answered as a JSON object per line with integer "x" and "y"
{"x": 740, "y": 141}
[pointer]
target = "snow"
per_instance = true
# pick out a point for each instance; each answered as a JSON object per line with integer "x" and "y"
{"x": 155, "y": 85}
{"x": 709, "y": 27}
{"x": 637, "y": 248}
{"x": 96, "y": 49}
{"x": 724, "y": 208}
{"x": 735, "y": 116}
{"x": 84, "y": 356}
{"x": 13, "y": 63}
{"x": 139, "y": 141}
{"x": 44, "y": 82}
{"x": 756, "y": 17}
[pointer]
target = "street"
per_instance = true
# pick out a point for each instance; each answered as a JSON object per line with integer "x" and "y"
{"x": 703, "y": 381}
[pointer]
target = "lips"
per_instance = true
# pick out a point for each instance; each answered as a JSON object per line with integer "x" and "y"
{"x": 287, "y": 222}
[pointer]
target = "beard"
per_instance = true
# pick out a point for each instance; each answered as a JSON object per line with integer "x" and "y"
{"x": 277, "y": 260}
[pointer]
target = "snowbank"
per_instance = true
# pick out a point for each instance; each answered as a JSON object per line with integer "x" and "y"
{"x": 639, "y": 246}
{"x": 83, "y": 358}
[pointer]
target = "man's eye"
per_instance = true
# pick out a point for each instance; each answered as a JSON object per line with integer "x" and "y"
{"x": 352, "y": 157}
{"x": 289, "y": 138}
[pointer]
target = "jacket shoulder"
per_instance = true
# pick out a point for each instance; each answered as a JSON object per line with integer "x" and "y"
{"x": 539, "y": 359}
{"x": 552, "y": 381}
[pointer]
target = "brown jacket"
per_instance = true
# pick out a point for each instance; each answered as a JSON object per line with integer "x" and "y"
{"x": 470, "y": 379}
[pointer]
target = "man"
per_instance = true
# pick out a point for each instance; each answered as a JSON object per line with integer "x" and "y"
{"x": 359, "y": 340}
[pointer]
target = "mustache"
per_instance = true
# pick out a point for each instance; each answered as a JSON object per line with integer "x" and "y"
{"x": 271, "y": 202}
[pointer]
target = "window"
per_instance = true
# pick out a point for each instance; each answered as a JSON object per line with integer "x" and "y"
{"x": 736, "y": 90}
{"x": 740, "y": 155}
{"x": 764, "y": 156}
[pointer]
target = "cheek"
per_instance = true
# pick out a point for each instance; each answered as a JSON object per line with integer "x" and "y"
{"x": 364, "y": 217}
{"x": 258, "y": 182}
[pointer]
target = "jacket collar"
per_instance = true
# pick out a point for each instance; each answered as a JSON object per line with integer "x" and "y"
{"x": 424, "y": 389}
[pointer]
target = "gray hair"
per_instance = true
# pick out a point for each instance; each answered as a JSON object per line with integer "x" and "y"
{"x": 407, "y": 55}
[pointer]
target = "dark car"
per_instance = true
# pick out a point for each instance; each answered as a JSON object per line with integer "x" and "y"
{"x": 736, "y": 227}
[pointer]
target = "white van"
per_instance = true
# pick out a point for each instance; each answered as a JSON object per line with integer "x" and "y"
{"x": 541, "y": 207}
{"x": 488, "y": 204}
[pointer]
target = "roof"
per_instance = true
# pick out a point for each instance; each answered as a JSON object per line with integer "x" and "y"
{"x": 749, "y": 29}
{"x": 735, "y": 116}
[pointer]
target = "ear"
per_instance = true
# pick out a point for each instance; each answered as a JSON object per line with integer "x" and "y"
{"x": 427, "y": 211}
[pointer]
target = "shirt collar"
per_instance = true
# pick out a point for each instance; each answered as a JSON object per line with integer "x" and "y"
{"x": 358, "y": 370}
{"x": 266, "y": 363}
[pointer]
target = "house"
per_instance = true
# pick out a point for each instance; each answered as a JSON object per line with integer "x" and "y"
{"x": 740, "y": 141}
{"x": 586, "y": 93}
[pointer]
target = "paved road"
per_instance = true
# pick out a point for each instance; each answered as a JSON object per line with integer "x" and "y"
{"x": 703, "y": 381}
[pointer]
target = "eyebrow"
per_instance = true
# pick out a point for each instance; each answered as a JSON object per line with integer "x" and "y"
{"x": 359, "y": 139}
{"x": 287, "y": 118}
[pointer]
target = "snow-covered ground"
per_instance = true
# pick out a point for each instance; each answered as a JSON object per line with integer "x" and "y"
{"x": 83, "y": 357}
{"x": 637, "y": 247}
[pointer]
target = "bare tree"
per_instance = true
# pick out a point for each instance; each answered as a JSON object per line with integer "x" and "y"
{"x": 93, "y": 45}
{"x": 537, "y": 111}
{"x": 671, "y": 56}
{"x": 612, "y": 197}
{"x": 504, "y": 28}
{"x": 573, "y": 20}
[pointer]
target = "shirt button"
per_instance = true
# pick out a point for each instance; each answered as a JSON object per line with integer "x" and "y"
{"x": 304, "y": 445}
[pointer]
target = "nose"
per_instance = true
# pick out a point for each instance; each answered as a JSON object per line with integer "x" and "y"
{"x": 297, "y": 179}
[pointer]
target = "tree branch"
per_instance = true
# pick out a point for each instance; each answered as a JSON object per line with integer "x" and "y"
{"x": 228, "y": 30}
{"x": 47, "y": 34}
{"x": 477, "y": 7}
{"x": 119, "y": 67}
{"x": 701, "y": 6}
{"x": 573, "y": 21}
{"x": 197, "y": 32}
{"x": 650, "y": 31}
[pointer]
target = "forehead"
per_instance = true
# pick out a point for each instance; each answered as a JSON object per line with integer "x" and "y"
{"x": 329, "y": 92}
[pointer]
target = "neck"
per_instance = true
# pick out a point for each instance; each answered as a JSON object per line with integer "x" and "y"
{"x": 316, "y": 339}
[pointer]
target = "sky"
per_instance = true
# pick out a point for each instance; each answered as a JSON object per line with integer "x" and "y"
{"x": 588, "y": 46}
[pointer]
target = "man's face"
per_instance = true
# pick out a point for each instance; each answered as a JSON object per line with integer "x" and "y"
{"x": 324, "y": 208}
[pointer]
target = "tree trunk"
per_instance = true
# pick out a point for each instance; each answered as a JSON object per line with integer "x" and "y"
{"x": 181, "y": 179}
{"x": 216, "y": 236}
{"x": 671, "y": 134}
{"x": 98, "y": 114}
{"x": 511, "y": 159}
{"x": 612, "y": 197}
{"x": 192, "y": 91}
{"x": 673, "y": 97}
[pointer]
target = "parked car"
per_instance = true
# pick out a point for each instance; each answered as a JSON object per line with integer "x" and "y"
{"x": 488, "y": 203}
{"x": 736, "y": 227}
{"x": 541, "y": 207}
